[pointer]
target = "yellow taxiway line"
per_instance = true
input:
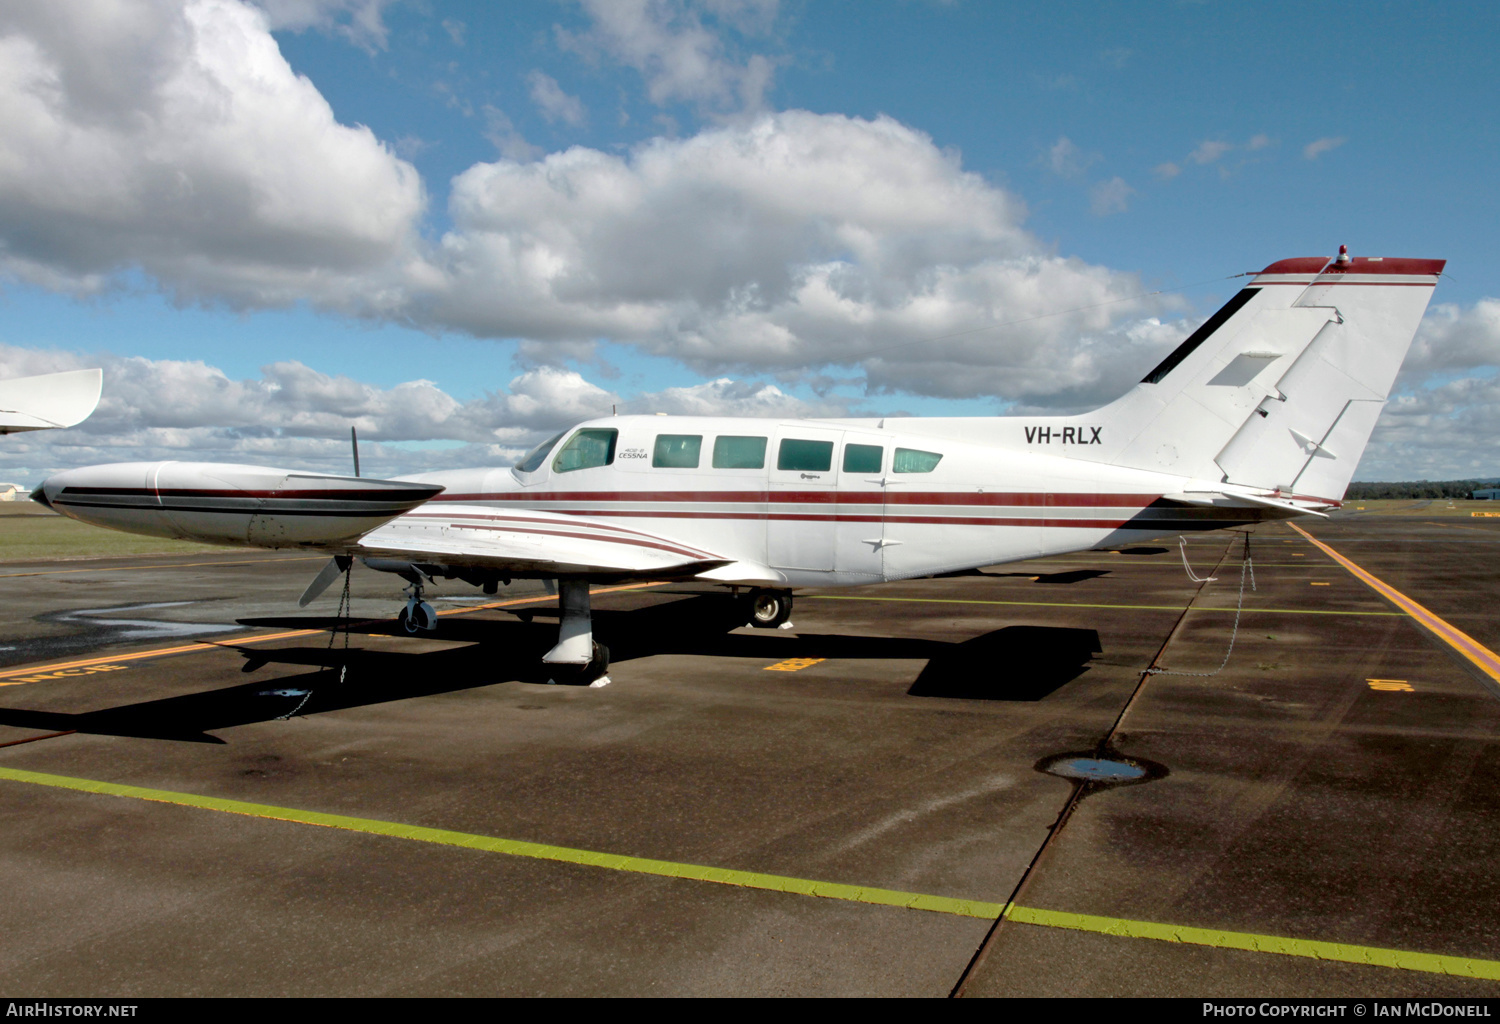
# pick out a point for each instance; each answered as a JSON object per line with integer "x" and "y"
{"x": 1480, "y": 656}
{"x": 1080, "y": 604}
{"x": 1469, "y": 967}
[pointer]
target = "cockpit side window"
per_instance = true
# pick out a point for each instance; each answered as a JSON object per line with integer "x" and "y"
{"x": 538, "y": 455}
{"x": 587, "y": 449}
{"x": 677, "y": 451}
{"x": 912, "y": 460}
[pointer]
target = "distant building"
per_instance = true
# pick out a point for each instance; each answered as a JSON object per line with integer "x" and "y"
{"x": 12, "y": 492}
{"x": 1488, "y": 494}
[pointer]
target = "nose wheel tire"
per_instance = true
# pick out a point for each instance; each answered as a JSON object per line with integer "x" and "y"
{"x": 770, "y": 608}
{"x": 417, "y": 617}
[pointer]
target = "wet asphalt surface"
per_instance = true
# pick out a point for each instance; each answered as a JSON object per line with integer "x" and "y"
{"x": 1289, "y": 796}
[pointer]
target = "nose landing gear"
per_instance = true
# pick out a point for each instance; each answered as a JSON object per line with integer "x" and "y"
{"x": 418, "y": 616}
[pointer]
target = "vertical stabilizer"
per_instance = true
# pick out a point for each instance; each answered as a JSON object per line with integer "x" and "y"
{"x": 1281, "y": 388}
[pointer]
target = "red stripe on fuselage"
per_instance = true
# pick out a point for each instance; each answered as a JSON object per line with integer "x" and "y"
{"x": 459, "y": 521}
{"x": 629, "y": 541}
{"x": 1012, "y": 499}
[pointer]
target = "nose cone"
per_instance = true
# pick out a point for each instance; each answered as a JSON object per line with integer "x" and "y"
{"x": 40, "y": 497}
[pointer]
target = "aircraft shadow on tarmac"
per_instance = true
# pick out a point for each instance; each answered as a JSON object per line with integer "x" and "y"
{"x": 1014, "y": 663}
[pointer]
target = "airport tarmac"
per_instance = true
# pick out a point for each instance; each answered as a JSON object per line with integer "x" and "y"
{"x": 196, "y": 805}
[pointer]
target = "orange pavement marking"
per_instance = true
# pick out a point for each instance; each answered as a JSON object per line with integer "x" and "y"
{"x": 167, "y": 565}
{"x": 1485, "y": 659}
{"x": 8, "y": 677}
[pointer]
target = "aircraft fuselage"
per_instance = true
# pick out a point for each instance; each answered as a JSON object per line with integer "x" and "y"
{"x": 828, "y": 502}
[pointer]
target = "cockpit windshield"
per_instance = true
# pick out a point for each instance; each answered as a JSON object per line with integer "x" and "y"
{"x": 538, "y": 455}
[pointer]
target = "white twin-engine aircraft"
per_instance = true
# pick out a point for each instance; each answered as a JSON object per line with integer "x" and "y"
{"x": 1261, "y": 414}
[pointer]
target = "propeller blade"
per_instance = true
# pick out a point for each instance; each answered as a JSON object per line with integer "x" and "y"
{"x": 336, "y": 567}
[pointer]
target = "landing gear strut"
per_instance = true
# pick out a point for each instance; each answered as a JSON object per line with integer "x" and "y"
{"x": 770, "y": 609}
{"x": 577, "y": 654}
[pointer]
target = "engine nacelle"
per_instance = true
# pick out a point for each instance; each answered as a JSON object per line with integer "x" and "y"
{"x": 219, "y": 503}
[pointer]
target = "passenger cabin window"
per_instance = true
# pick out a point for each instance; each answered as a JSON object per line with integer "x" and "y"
{"x": 863, "y": 458}
{"x": 910, "y": 460}
{"x": 732, "y": 452}
{"x": 812, "y": 456}
{"x": 538, "y": 455}
{"x": 677, "y": 451}
{"x": 586, "y": 449}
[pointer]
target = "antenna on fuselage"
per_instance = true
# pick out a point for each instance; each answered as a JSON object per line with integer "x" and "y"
{"x": 354, "y": 443}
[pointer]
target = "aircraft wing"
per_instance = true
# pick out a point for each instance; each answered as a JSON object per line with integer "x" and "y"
{"x": 50, "y": 400}
{"x": 540, "y": 544}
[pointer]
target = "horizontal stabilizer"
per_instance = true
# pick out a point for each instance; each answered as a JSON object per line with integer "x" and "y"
{"x": 50, "y": 400}
{"x": 1229, "y": 496}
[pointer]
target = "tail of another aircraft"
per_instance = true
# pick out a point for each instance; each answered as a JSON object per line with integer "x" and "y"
{"x": 1279, "y": 390}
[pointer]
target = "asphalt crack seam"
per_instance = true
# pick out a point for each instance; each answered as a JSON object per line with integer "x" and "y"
{"x": 1082, "y": 787}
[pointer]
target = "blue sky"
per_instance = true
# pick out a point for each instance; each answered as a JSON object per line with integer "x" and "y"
{"x": 717, "y": 206}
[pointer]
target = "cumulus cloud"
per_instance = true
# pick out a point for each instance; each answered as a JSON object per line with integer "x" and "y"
{"x": 295, "y": 416}
{"x": 502, "y": 133}
{"x": 681, "y": 58}
{"x": 177, "y": 140}
{"x": 1430, "y": 434}
{"x": 552, "y": 101}
{"x": 794, "y": 240}
{"x": 1112, "y": 196}
{"x": 1209, "y": 150}
{"x": 1064, "y": 159}
{"x": 1452, "y": 338}
{"x": 1318, "y": 147}
{"x": 362, "y": 22}
{"x": 729, "y": 397}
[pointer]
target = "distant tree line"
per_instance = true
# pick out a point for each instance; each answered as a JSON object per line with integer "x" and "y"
{"x": 1416, "y": 489}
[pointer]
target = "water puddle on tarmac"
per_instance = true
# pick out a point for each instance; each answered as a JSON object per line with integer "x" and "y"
{"x": 142, "y": 629}
{"x": 1101, "y": 770}
{"x": 87, "y": 630}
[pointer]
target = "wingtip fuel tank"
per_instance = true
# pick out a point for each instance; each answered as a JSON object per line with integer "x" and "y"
{"x": 228, "y": 504}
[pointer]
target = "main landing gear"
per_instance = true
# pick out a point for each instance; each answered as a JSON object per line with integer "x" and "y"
{"x": 771, "y": 609}
{"x": 577, "y": 658}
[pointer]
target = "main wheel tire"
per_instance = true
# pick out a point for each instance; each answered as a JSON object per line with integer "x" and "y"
{"x": 582, "y": 675}
{"x": 405, "y": 623}
{"x": 770, "y": 608}
{"x": 598, "y": 664}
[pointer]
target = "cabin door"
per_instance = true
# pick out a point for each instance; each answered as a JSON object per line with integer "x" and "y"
{"x": 864, "y": 462}
{"x": 801, "y": 523}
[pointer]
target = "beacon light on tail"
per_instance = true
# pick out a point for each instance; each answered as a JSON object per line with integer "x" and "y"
{"x": 1262, "y": 413}
{"x": 227, "y": 504}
